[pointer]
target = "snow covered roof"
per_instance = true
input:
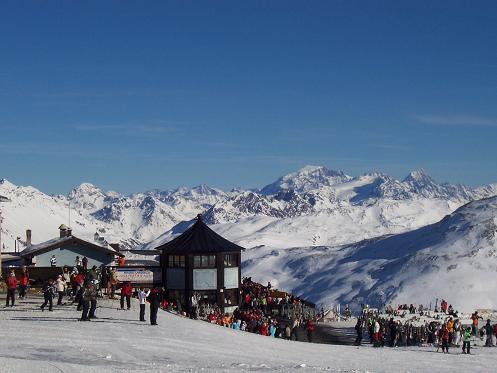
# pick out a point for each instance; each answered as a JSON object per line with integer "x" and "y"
{"x": 199, "y": 238}
{"x": 61, "y": 242}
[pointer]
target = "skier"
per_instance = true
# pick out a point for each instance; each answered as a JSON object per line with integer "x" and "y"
{"x": 126, "y": 292}
{"x": 23, "y": 283}
{"x": 154, "y": 300}
{"x": 85, "y": 302}
{"x": 11, "y": 282}
{"x": 53, "y": 261}
{"x": 92, "y": 294}
{"x": 466, "y": 346}
{"x": 48, "y": 294}
{"x": 84, "y": 261}
{"x": 142, "y": 296}
{"x": 61, "y": 288}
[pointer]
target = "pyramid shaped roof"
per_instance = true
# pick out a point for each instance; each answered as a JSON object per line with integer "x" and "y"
{"x": 197, "y": 239}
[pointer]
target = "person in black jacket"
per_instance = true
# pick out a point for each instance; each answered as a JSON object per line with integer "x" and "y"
{"x": 48, "y": 293}
{"x": 154, "y": 300}
{"x": 358, "y": 329}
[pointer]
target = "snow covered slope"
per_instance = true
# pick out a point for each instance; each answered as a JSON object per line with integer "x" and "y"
{"x": 454, "y": 259}
{"x": 47, "y": 342}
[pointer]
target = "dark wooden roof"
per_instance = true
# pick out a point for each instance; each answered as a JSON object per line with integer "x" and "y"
{"x": 199, "y": 238}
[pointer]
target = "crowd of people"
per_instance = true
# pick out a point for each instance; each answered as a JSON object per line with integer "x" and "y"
{"x": 261, "y": 312}
{"x": 82, "y": 287}
{"x": 404, "y": 326}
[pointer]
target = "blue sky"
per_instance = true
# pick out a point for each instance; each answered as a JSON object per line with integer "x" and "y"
{"x": 139, "y": 95}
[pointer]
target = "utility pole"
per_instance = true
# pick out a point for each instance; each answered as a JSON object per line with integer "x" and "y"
{"x": 2, "y": 199}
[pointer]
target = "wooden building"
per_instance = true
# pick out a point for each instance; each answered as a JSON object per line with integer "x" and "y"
{"x": 201, "y": 261}
{"x": 66, "y": 248}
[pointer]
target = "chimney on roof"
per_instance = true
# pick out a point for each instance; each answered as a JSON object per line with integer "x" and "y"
{"x": 28, "y": 237}
{"x": 65, "y": 231}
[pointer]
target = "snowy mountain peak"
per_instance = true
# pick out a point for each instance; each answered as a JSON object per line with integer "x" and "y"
{"x": 419, "y": 177}
{"x": 306, "y": 179}
{"x": 84, "y": 189}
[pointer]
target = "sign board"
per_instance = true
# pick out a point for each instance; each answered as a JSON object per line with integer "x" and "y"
{"x": 231, "y": 278}
{"x": 139, "y": 275}
{"x": 205, "y": 279}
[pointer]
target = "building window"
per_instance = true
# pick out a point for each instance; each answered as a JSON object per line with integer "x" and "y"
{"x": 230, "y": 260}
{"x": 176, "y": 261}
{"x": 204, "y": 261}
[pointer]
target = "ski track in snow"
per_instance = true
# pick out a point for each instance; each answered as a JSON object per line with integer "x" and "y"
{"x": 35, "y": 341}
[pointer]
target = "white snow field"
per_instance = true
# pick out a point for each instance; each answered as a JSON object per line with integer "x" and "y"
{"x": 35, "y": 341}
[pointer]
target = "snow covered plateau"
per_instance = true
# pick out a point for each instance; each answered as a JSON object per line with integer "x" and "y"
{"x": 325, "y": 235}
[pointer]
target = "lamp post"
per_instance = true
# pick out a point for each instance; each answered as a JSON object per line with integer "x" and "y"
{"x": 2, "y": 199}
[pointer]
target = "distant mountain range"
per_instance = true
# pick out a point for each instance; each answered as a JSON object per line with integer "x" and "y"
{"x": 313, "y": 212}
{"x": 323, "y": 202}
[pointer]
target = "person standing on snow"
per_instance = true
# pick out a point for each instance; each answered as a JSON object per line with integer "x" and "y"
{"x": 466, "y": 346}
{"x": 142, "y": 297}
{"x": 444, "y": 338}
{"x": 358, "y": 329}
{"x": 126, "y": 292}
{"x": 11, "y": 282}
{"x": 78, "y": 262}
{"x": 309, "y": 326}
{"x": 48, "y": 294}
{"x": 61, "y": 289}
{"x": 489, "y": 331}
{"x": 84, "y": 261}
{"x": 89, "y": 301}
{"x": 23, "y": 283}
{"x": 154, "y": 300}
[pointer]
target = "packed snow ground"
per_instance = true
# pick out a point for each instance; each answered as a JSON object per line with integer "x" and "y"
{"x": 35, "y": 341}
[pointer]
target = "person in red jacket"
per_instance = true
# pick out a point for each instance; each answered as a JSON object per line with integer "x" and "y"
{"x": 11, "y": 289}
{"x": 263, "y": 329}
{"x": 126, "y": 292}
{"x": 23, "y": 283}
{"x": 309, "y": 326}
{"x": 443, "y": 335}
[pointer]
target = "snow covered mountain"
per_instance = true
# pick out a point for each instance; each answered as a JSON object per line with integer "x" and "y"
{"x": 453, "y": 259}
{"x": 318, "y": 232}
{"x": 313, "y": 206}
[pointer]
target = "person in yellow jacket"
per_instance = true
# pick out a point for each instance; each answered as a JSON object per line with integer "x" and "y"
{"x": 450, "y": 329}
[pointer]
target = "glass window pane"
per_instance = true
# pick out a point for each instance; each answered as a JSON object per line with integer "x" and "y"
{"x": 212, "y": 260}
{"x": 196, "y": 261}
